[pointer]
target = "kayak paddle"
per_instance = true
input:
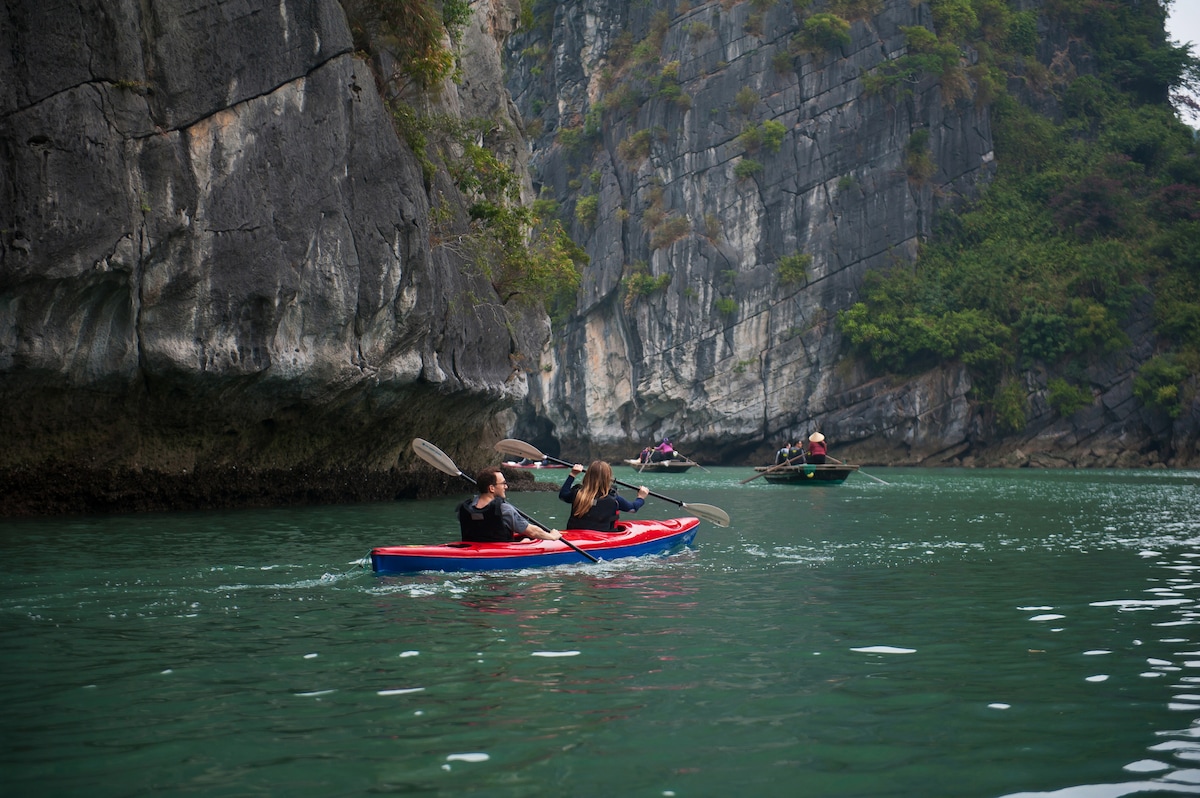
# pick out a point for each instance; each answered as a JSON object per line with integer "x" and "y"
{"x": 693, "y": 462}
{"x": 864, "y": 473}
{"x": 787, "y": 462}
{"x": 442, "y": 462}
{"x": 512, "y": 446}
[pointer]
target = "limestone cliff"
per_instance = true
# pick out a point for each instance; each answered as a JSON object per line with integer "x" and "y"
{"x": 225, "y": 278}
{"x": 693, "y": 320}
{"x": 217, "y": 282}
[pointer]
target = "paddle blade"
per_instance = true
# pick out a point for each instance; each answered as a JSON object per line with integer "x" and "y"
{"x": 709, "y": 513}
{"x": 515, "y": 448}
{"x": 435, "y": 457}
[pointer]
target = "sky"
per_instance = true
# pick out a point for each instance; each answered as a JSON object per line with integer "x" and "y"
{"x": 1183, "y": 24}
{"x": 1183, "y": 27}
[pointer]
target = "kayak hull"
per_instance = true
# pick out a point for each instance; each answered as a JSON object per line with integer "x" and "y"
{"x": 634, "y": 539}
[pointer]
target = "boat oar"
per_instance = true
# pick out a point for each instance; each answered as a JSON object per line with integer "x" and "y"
{"x": 716, "y": 515}
{"x": 693, "y": 462}
{"x": 772, "y": 468}
{"x": 864, "y": 473}
{"x": 442, "y": 462}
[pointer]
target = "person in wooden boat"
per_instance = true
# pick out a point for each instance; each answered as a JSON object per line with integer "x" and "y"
{"x": 816, "y": 449}
{"x": 664, "y": 451}
{"x": 789, "y": 451}
{"x": 595, "y": 503}
{"x": 488, "y": 518}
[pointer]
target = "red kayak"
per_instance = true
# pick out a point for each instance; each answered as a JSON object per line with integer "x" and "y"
{"x": 633, "y": 539}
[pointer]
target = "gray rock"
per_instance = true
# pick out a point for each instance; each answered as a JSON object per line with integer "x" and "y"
{"x": 217, "y": 260}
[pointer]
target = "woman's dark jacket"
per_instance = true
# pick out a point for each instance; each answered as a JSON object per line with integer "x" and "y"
{"x": 603, "y": 515}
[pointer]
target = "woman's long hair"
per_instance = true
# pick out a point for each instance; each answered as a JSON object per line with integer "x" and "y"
{"x": 596, "y": 484}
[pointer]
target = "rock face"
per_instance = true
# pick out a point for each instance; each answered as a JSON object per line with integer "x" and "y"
{"x": 730, "y": 356}
{"x": 216, "y": 261}
{"x": 218, "y": 284}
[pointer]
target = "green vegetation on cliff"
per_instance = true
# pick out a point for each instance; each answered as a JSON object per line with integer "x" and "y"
{"x": 522, "y": 249}
{"x": 414, "y": 32}
{"x": 1090, "y": 211}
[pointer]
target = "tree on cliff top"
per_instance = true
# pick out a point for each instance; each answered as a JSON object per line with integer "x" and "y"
{"x": 1088, "y": 211}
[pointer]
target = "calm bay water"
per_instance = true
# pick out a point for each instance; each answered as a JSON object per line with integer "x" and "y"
{"x": 951, "y": 633}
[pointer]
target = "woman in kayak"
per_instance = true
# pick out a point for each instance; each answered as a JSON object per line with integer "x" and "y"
{"x": 595, "y": 504}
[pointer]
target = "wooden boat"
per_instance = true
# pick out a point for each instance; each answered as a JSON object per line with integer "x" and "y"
{"x": 806, "y": 474}
{"x": 634, "y": 539}
{"x": 661, "y": 467}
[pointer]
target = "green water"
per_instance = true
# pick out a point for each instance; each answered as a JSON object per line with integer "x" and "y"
{"x": 951, "y": 633}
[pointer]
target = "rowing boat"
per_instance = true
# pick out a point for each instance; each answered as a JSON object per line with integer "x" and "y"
{"x": 660, "y": 467}
{"x": 633, "y": 539}
{"x": 807, "y": 473}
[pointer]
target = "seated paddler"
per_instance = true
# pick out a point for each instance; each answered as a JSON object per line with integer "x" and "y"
{"x": 595, "y": 503}
{"x": 817, "y": 449}
{"x": 489, "y": 518}
{"x": 664, "y": 451}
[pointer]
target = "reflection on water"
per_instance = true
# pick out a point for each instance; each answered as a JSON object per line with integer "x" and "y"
{"x": 951, "y": 633}
{"x": 1169, "y": 767}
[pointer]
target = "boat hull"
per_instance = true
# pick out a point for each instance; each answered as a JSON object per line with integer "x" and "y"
{"x": 635, "y": 539}
{"x": 825, "y": 474}
{"x": 661, "y": 467}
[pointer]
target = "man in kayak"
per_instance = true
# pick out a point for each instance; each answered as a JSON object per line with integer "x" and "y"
{"x": 489, "y": 518}
{"x": 594, "y": 502}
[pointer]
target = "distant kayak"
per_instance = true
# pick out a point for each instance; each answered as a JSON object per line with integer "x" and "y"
{"x": 634, "y": 539}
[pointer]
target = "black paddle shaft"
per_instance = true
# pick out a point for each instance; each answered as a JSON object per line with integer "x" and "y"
{"x": 706, "y": 511}
{"x": 624, "y": 484}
